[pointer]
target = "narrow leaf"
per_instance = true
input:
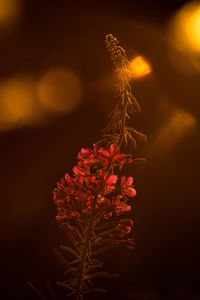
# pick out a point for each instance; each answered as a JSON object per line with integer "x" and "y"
{"x": 70, "y": 250}
{"x": 75, "y": 261}
{"x": 95, "y": 261}
{"x": 65, "y": 285}
{"x": 107, "y": 224}
{"x": 97, "y": 274}
{"x": 36, "y": 291}
{"x": 70, "y": 270}
{"x": 50, "y": 289}
{"x": 95, "y": 266}
{"x": 107, "y": 241}
{"x": 138, "y": 161}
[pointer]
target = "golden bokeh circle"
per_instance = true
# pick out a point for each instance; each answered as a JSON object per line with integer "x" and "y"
{"x": 59, "y": 90}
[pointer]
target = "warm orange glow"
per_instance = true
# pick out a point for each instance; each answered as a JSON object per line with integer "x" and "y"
{"x": 195, "y": 60}
{"x": 25, "y": 102}
{"x": 186, "y": 28}
{"x": 60, "y": 90}
{"x": 17, "y": 102}
{"x": 9, "y": 11}
{"x": 180, "y": 124}
{"x": 139, "y": 67}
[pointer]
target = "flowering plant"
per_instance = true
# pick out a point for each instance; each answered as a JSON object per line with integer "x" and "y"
{"x": 92, "y": 202}
{"x": 93, "y": 183}
{"x": 87, "y": 200}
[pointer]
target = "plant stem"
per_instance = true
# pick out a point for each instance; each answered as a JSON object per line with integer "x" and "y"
{"x": 82, "y": 267}
{"x": 85, "y": 251}
{"x": 121, "y": 137}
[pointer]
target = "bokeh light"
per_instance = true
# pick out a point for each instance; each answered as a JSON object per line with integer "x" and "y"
{"x": 139, "y": 67}
{"x": 185, "y": 28}
{"x": 60, "y": 90}
{"x": 179, "y": 124}
{"x": 25, "y": 100}
{"x": 17, "y": 102}
{"x": 10, "y": 11}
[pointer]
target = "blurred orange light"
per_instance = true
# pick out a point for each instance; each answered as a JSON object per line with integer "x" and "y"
{"x": 60, "y": 90}
{"x": 139, "y": 67}
{"x": 185, "y": 31}
{"x": 17, "y": 102}
{"x": 180, "y": 124}
{"x": 9, "y": 11}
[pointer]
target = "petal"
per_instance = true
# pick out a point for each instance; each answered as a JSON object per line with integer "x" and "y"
{"x": 129, "y": 160}
{"x": 110, "y": 188}
{"x": 126, "y": 222}
{"x": 104, "y": 152}
{"x": 59, "y": 185}
{"x": 118, "y": 198}
{"x": 125, "y": 207}
{"x": 80, "y": 180}
{"x": 106, "y": 216}
{"x": 78, "y": 171}
{"x": 131, "y": 192}
{"x": 112, "y": 179}
{"x": 67, "y": 178}
{"x": 129, "y": 181}
{"x": 120, "y": 157}
{"x": 114, "y": 149}
{"x": 85, "y": 152}
{"x": 88, "y": 162}
{"x": 101, "y": 199}
{"x": 54, "y": 196}
{"x": 92, "y": 178}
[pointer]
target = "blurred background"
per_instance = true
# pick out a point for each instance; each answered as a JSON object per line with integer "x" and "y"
{"x": 56, "y": 89}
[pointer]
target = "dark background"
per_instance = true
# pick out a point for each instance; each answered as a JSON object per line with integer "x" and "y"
{"x": 165, "y": 261}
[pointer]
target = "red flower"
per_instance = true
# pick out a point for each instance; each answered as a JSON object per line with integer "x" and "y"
{"x": 92, "y": 176}
{"x": 78, "y": 171}
{"x": 113, "y": 155}
{"x": 126, "y": 186}
{"x": 107, "y": 182}
{"x": 103, "y": 157}
{"x": 120, "y": 205}
{"x": 85, "y": 154}
{"x": 125, "y": 225}
{"x": 88, "y": 157}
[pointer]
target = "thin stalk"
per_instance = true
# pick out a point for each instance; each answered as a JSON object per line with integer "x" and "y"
{"x": 123, "y": 124}
{"x": 85, "y": 251}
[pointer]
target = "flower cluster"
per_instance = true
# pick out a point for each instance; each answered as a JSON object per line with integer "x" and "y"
{"x": 94, "y": 181}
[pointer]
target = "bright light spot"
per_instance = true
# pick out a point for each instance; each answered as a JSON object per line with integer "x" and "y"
{"x": 185, "y": 29}
{"x": 139, "y": 67}
{"x": 17, "y": 102}
{"x": 180, "y": 124}
{"x": 60, "y": 90}
{"x": 9, "y": 11}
